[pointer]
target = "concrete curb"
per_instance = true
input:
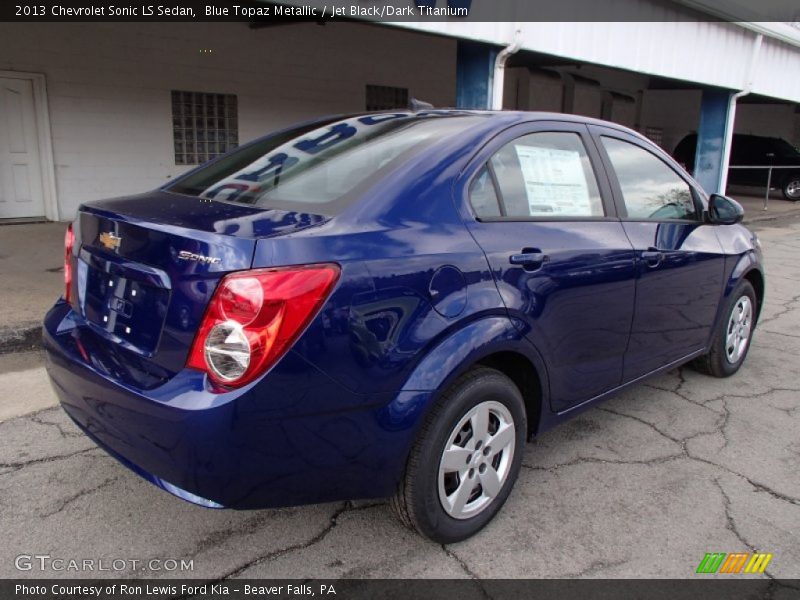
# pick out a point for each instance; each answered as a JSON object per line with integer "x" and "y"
{"x": 21, "y": 338}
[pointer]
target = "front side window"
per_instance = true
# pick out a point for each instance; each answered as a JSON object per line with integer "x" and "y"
{"x": 541, "y": 175}
{"x": 650, "y": 188}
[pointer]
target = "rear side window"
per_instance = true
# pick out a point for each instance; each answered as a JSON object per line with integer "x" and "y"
{"x": 321, "y": 169}
{"x": 540, "y": 175}
{"x": 650, "y": 188}
{"x": 483, "y": 196}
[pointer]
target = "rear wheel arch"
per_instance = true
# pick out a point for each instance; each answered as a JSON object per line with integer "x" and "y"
{"x": 471, "y": 344}
{"x": 519, "y": 369}
{"x": 507, "y": 351}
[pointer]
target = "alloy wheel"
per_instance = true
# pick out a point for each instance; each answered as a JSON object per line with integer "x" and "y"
{"x": 476, "y": 460}
{"x": 737, "y": 334}
{"x": 793, "y": 189}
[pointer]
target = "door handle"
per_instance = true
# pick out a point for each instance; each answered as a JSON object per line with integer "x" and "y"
{"x": 528, "y": 258}
{"x": 652, "y": 257}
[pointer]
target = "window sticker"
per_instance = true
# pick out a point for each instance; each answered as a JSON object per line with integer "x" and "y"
{"x": 554, "y": 181}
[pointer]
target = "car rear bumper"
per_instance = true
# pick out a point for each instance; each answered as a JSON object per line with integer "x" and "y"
{"x": 270, "y": 444}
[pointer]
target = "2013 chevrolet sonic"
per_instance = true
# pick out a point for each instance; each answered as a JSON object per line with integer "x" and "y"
{"x": 390, "y": 305}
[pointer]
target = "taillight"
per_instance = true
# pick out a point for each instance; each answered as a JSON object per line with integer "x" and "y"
{"x": 69, "y": 242}
{"x": 254, "y": 317}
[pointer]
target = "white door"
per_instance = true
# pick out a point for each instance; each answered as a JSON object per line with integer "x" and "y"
{"x": 20, "y": 165}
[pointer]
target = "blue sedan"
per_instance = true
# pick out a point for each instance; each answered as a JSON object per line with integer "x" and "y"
{"x": 391, "y": 305}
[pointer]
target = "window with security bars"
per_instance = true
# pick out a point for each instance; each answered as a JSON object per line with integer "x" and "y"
{"x": 385, "y": 97}
{"x": 203, "y": 126}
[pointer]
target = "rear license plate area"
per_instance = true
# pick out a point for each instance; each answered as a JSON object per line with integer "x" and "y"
{"x": 123, "y": 304}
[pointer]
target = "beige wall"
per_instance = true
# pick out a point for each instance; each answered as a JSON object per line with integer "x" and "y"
{"x": 109, "y": 86}
{"x": 775, "y": 120}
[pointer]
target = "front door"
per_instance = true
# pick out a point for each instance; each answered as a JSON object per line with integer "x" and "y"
{"x": 20, "y": 170}
{"x": 542, "y": 212}
{"x": 680, "y": 262}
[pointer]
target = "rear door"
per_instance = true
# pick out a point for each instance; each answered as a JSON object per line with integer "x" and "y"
{"x": 679, "y": 260}
{"x": 538, "y": 203}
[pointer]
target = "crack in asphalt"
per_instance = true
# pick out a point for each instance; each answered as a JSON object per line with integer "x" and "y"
{"x": 678, "y": 441}
{"x": 220, "y": 536}
{"x": 723, "y": 426}
{"x": 734, "y": 529}
{"x": 333, "y": 521}
{"x": 30, "y": 415}
{"x": 594, "y": 568}
{"x": 755, "y": 395}
{"x": 781, "y": 333}
{"x": 789, "y": 412}
{"x": 685, "y": 452}
{"x": 681, "y": 396}
{"x": 762, "y": 488}
{"x": 730, "y": 523}
{"x": 316, "y": 539}
{"x": 67, "y": 501}
{"x": 592, "y": 460}
{"x": 64, "y": 434}
{"x": 785, "y": 309}
{"x": 466, "y": 568}
{"x": 765, "y": 346}
{"x": 16, "y": 466}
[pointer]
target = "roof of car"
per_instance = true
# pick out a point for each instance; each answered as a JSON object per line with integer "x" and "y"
{"x": 510, "y": 116}
{"x": 505, "y": 118}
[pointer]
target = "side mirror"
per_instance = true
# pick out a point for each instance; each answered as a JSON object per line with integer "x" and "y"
{"x": 724, "y": 211}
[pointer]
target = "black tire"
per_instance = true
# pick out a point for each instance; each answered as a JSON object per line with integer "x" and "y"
{"x": 791, "y": 187}
{"x": 717, "y": 362}
{"x": 416, "y": 502}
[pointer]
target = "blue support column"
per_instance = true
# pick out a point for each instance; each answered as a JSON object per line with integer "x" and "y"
{"x": 474, "y": 74}
{"x": 711, "y": 156}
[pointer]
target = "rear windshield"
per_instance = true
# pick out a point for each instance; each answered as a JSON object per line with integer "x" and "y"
{"x": 320, "y": 169}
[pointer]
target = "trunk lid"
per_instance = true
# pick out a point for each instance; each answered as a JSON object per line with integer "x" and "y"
{"x": 146, "y": 267}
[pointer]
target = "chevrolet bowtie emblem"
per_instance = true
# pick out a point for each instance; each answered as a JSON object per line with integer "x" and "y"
{"x": 109, "y": 240}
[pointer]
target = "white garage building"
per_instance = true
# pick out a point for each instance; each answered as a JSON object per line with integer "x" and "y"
{"x": 98, "y": 110}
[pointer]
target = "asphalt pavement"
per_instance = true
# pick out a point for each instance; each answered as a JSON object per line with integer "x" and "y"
{"x": 641, "y": 486}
